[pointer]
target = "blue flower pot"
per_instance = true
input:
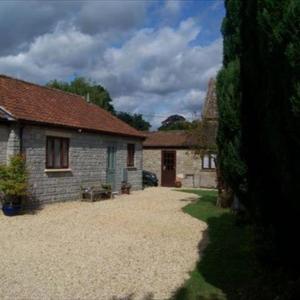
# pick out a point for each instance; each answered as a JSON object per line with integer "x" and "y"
{"x": 10, "y": 209}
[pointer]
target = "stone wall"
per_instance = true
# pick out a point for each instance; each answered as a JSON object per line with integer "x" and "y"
{"x": 4, "y": 132}
{"x": 87, "y": 161}
{"x": 188, "y": 168}
{"x": 152, "y": 162}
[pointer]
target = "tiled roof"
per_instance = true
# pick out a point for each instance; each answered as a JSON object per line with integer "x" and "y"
{"x": 31, "y": 102}
{"x": 183, "y": 139}
{"x": 172, "y": 138}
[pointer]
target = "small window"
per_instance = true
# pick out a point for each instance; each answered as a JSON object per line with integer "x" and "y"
{"x": 209, "y": 161}
{"x": 57, "y": 153}
{"x": 130, "y": 155}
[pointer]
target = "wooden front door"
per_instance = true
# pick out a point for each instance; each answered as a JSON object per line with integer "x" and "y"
{"x": 168, "y": 168}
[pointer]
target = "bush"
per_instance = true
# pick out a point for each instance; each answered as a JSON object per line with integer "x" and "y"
{"x": 13, "y": 179}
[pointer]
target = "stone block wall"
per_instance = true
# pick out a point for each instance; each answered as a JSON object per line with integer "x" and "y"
{"x": 4, "y": 132}
{"x": 87, "y": 161}
{"x": 188, "y": 168}
{"x": 152, "y": 162}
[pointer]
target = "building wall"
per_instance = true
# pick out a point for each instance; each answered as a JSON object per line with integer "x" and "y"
{"x": 152, "y": 162}
{"x": 87, "y": 161}
{"x": 188, "y": 168}
{"x": 4, "y": 131}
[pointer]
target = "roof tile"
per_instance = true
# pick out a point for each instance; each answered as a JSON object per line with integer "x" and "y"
{"x": 31, "y": 102}
{"x": 172, "y": 138}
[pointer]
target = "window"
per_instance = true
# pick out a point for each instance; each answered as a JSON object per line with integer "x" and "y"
{"x": 57, "y": 153}
{"x": 130, "y": 155}
{"x": 209, "y": 161}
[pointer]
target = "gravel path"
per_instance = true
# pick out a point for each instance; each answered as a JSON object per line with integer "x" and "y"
{"x": 136, "y": 245}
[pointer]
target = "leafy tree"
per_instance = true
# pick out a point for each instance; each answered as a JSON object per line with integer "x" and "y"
{"x": 135, "y": 120}
{"x": 176, "y": 122}
{"x": 86, "y": 88}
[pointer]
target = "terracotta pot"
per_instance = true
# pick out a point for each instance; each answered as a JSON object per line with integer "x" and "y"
{"x": 178, "y": 184}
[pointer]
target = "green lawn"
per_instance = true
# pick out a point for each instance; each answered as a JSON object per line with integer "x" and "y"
{"x": 228, "y": 262}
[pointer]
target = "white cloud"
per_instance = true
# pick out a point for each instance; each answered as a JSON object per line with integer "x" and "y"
{"x": 120, "y": 15}
{"x": 23, "y": 21}
{"x": 53, "y": 55}
{"x": 154, "y": 71}
{"x": 173, "y": 6}
{"x": 170, "y": 75}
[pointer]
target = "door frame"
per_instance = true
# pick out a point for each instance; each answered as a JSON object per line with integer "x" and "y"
{"x": 162, "y": 165}
{"x": 114, "y": 182}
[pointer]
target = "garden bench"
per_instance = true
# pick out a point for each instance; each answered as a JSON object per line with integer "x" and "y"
{"x": 94, "y": 191}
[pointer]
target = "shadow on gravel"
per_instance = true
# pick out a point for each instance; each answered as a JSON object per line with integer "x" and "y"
{"x": 149, "y": 296}
{"x": 31, "y": 206}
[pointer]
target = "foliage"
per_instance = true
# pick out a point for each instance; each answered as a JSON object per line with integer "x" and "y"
{"x": 231, "y": 164}
{"x": 173, "y": 119}
{"x": 106, "y": 186}
{"x": 135, "y": 120}
{"x": 259, "y": 103}
{"x": 13, "y": 178}
{"x": 98, "y": 95}
{"x": 271, "y": 125}
{"x": 88, "y": 89}
{"x": 227, "y": 264}
{"x": 177, "y": 122}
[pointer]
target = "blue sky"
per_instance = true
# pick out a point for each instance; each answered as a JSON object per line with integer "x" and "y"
{"x": 154, "y": 57}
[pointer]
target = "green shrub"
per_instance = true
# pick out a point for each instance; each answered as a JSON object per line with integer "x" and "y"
{"x": 13, "y": 179}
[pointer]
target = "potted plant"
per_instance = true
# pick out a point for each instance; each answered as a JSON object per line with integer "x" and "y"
{"x": 125, "y": 187}
{"x": 178, "y": 184}
{"x": 13, "y": 185}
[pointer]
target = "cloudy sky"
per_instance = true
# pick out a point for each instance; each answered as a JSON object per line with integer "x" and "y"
{"x": 154, "y": 57}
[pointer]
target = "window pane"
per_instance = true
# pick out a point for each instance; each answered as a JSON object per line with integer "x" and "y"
{"x": 130, "y": 155}
{"x": 212, "y": 161}
{"x": 57, "y": 156}
{"x": 49, "y": 153}
{"x": 57, "y": 153}
{"x": 65, "y": 153}
{"x": 206, "y": 161}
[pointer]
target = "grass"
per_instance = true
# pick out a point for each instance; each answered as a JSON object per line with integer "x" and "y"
{"x": 227, "y": 263}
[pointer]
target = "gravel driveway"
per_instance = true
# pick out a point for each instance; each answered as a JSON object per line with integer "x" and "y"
{"x": 136, "y": 245}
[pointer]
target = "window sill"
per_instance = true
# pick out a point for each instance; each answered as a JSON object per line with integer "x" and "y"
{"x": 131, "y": 168}
{"x": 57, "y": 170}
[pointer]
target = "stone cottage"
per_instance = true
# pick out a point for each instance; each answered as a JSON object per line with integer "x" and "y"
{"x": 184, "y": 156}
{"x": 66, "y": 141}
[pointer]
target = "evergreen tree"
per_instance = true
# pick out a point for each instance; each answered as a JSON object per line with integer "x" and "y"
{"x": 232, "y": 167}
{"x": 270, "y": 76}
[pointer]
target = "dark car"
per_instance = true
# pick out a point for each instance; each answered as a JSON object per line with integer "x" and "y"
{"x": 149, "y": 179}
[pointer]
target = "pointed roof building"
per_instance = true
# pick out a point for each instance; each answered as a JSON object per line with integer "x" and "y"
{"x": 210, "y": 108}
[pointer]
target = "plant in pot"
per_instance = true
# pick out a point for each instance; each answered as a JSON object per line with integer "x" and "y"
{"x": 125, "y": 187}
{"x": 13, "y": 185}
